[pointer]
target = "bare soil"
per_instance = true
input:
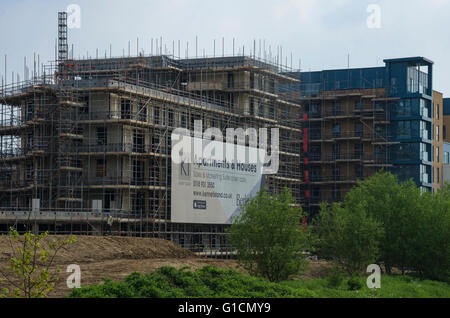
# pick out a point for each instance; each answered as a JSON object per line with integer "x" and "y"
{"x": 117, "y": 257}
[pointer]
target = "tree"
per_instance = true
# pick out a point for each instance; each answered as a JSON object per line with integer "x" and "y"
{"x": 397, "y": 207}
{"x": 384, "y": 221}
{"x": 268, "y": 236}
{"x": 431, "y": 256}
{"x": 31, "y": 264}
{"x": 348, "y": 236}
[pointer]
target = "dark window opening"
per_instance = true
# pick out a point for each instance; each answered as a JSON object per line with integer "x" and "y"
{"x": 125, "y": 108}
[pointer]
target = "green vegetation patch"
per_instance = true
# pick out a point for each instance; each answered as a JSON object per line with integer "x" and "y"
{"x": 211, "y": 282}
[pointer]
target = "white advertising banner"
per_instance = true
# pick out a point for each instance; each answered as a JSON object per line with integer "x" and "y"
{"x": 211, "y": 190}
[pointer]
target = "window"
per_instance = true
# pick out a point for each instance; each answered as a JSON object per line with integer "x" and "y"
{"x": 315, "y": 111}
{"x": 142, "y": 112}
{"x": 156, "y": 115}
{"x": 30, "y": 141}
{"x": 437, "y": 111}
{"x": 358, "y": 105}
{"x": 29, "y": 171}
{"x": 337, "y": 173}
{"x": 437, "y": 154}
{"x": 183, "y": 120}
{"x": 315, "y": 194}
{"x": 437, "y": 133}
{"x": 230, "y": 80}
{"x": 260, "y": 109}
{"x": 315, "y": 154}
{"x": 138, "y": 172}
{"x": 358, "y": 151}
{"x": 272, "y": 86}
{"x": 85, "y": 101}
{"x": 271, "y": 112}
{"x": 446, "y": 158}
{"x": 336, "y": 195}
{"x": 359, "y": 172}
{"x": 125, "y": 109}
{"x": 424, "y": 174}
{"x": 102, "y": 136}
{"x": 316, "y": 174}
{"x": 358, "y": 129}
{"x": 138, "y": 141}
{"x": 101, "y": 168}
{"x": 29, "y": 111}
{"x": 336, "y": 151}
{"x": 444, "y": 132}
{"x": 336, "y": 130}
{"x": 438, "y": 176}
{"x": 171, "y": 118}
{"x": 424, "y": 152}
{"x": 252, "y": 106}
{"x": 336, "y": 108}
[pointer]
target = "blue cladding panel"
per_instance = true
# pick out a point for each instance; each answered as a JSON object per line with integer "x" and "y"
{"x": 446, "y": 106}
{"x": 314, "y": 82}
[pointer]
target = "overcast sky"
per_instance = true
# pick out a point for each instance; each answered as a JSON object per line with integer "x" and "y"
{"x": 319, "y": 32}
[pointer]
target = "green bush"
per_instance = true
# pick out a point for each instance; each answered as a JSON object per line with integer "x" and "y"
{"x": 211, "y": 282}
{"x": 355, "y": 283}
{"x": 168, "y": 282}
{"x": 348, "y": 236}
{"x": 268, "y": 236}
{"x": 335, "y": 277}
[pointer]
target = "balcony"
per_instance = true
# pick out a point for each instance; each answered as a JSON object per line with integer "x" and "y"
{"x": 333, "y": 179}
{"x": 126, "y": 148}
{"x": 331, "y": 137}
{"x": 204, "y": 86}
{"x": 337, "y": 114}
{"x": 123, "y": 181}
{"x": 425, "y": 178}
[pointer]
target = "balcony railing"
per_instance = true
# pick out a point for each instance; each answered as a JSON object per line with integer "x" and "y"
{"x": 314, "y": 135}
{"x": 124, "y": 180}
{"x": 332, "y": 179}
{"x": 117, "y": 148}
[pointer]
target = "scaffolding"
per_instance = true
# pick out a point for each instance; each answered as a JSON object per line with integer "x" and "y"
{"x": 91, "y": 137}
{"x": 347, "y": 139}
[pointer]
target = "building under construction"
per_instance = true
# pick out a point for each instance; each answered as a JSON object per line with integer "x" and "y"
{"x": 89, "y": 138}
{"x": 359, "y": 121}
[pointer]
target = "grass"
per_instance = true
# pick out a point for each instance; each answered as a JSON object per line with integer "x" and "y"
{"x": 392, "y": 286}
{"x": 211, "y": 282}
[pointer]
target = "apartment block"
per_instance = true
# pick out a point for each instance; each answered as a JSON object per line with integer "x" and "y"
{"x": 97, "y": 139}
{"x": 359, "y": 121}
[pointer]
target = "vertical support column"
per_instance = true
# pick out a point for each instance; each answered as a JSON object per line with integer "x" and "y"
{"x": 306, "y": 161}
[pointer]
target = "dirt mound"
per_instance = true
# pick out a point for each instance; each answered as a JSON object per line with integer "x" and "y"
{"x": 96, "y": 249}
{"x": 117, "y": 257}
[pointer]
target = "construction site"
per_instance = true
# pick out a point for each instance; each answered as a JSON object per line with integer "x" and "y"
{"x": 88, "y": 138}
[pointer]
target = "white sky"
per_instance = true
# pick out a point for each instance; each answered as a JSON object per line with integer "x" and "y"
{"x": 319, "y": 32}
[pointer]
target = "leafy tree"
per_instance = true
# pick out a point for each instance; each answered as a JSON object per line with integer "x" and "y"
{"x": 30, "y": 265}
{"x": 384, "y": 221}
{"x": 269, "y": 238}
{"x": 397, "y": 207}
{"x": 348, "y": 236}
{"x": 431, "y": 251}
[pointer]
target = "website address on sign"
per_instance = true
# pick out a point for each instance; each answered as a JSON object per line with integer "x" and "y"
{"x": 205, "y": 194}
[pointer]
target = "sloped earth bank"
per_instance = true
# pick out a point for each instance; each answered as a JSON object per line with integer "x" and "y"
{"x": 117, "y": 257}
